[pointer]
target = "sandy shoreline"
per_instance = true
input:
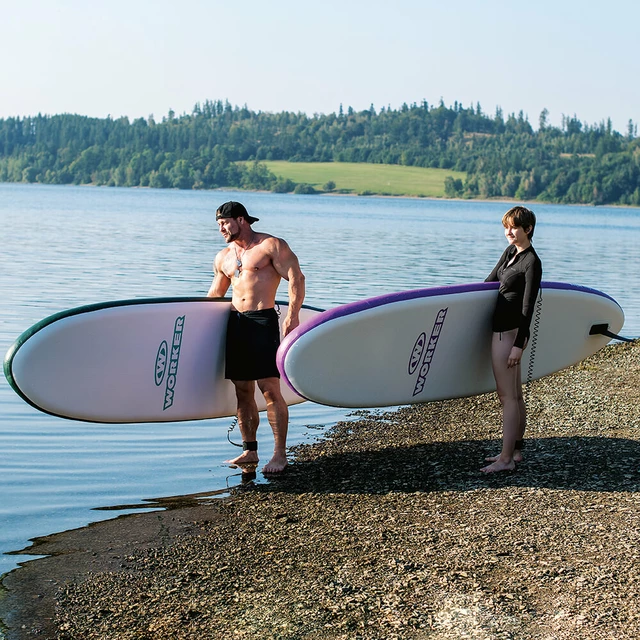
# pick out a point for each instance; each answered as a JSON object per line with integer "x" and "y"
{"x": 384, "y": 529}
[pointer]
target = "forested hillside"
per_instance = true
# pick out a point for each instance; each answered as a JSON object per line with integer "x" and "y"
{"x": 502, "y": 157}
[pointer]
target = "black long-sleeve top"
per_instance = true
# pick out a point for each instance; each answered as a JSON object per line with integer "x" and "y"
{"x": 519, "y": 286}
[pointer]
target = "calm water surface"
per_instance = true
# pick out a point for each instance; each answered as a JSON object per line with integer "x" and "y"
{"x": 68, "y": 246}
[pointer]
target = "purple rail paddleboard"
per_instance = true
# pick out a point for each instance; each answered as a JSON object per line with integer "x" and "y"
{"x": 433, "y": 344}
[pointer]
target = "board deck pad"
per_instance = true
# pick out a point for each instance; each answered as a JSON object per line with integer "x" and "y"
{"x": 146, "y": 360}
{"x": 434, "y": 344}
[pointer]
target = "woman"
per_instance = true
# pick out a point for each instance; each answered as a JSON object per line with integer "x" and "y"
{"x": 519, "y": 272}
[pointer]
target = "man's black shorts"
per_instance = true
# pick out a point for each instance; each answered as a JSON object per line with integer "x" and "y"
{"x": 253, "y": 338}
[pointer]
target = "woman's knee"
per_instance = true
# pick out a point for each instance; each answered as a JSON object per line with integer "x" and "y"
{"x": 507, "y": 387}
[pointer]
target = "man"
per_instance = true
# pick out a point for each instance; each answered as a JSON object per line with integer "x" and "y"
{"x": 254, "y": 264}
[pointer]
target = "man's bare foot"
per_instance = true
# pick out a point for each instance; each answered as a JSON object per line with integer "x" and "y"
{"x": 245, "y": 458}
{"x": 277, "y": 464}
{"x": 498, "y": 466}
{"x": 517, "y": 457}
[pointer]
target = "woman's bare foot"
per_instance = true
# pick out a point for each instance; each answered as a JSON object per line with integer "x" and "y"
{"x": 246, "y": 457}
{"x": 517, "y": 457}
{"x": 277, "y": 464}
{"x": 499, "y": 465}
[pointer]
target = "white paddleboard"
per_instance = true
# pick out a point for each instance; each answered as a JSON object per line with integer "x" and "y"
{"x": 433, "y": 344}
{"x": 147, "y": 360}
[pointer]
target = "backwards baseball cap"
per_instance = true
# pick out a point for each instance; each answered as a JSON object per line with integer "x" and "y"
{"x": 233, "y": 209}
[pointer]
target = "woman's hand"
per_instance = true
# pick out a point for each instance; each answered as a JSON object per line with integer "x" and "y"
{"x": 514, "y": 357}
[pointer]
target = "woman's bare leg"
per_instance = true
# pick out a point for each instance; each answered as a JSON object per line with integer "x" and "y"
{"x": 509, "y": 390}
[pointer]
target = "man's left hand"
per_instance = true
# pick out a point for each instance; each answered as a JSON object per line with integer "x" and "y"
{"x": 289, "y": 325}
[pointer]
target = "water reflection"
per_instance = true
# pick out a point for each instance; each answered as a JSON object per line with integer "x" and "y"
{"x": 242, "y": 479}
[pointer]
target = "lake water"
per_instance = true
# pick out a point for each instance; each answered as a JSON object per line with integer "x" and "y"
{"x": 68, "y": 246}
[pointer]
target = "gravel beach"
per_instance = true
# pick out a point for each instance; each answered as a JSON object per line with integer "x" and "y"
{"x": 383, "y": 529}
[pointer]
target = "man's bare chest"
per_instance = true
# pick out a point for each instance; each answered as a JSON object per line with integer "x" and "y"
{"x": 237, "y": 262}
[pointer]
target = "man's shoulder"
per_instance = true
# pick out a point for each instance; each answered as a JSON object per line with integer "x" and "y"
{"x": 268, "y": 241}
{"x": 261, "y": 235}
{"x": 222, "y": 253}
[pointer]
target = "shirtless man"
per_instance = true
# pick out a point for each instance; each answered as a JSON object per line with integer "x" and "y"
{"x": 254, "y": 264}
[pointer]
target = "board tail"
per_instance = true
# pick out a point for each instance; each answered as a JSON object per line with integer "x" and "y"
{"x": 603, "y": 330}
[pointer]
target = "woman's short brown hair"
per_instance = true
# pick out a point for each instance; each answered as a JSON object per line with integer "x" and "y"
{"x": 520, "y": 217}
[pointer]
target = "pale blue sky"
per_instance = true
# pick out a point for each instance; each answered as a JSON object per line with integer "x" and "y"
{"x": 142, "y": 57}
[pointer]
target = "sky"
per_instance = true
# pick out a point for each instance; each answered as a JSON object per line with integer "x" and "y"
{"x": 139, "y": 58}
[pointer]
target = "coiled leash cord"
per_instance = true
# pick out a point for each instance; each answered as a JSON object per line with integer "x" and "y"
{"x": 534, "y": 340}
{"x": 246, "y": 446}
{"x": 233, "y": 424}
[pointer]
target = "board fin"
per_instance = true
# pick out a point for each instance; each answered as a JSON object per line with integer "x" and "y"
{"x": 603, "y": 329}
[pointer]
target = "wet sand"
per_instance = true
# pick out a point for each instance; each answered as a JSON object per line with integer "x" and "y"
{"x": 384, "y": 529}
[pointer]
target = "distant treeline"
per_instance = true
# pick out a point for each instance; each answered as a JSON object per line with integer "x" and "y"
{"x": 502, "y": 157}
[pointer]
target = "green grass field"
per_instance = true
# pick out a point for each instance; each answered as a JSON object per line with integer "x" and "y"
{"x": 364, "y": 178}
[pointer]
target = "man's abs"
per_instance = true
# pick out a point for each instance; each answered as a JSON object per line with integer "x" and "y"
{"x": 253, "y": 291}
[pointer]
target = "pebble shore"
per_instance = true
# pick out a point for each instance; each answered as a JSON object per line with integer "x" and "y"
{"x": 383, "y": 529}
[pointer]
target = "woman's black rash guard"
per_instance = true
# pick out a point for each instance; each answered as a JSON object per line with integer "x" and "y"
{"x": 519, "y": 286}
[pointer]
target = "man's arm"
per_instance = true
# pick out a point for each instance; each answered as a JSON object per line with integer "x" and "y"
{"x": 285, "y": 262}
{"x": 221, "y": 282}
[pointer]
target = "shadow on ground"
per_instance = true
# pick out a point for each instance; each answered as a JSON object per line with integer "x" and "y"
{"x": 578, "y": 463}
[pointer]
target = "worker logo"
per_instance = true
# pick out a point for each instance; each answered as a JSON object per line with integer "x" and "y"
{"x": 161, "y": 362}
{"x": 416, "y": 353}
{"x": 429, "y": 350}
{"x": 166, "y": 367}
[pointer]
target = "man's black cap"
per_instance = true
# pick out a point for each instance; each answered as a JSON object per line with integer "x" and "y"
{"x": 233, "y": 209}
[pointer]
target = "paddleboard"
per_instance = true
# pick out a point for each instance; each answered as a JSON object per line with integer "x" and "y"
{"x": 145, "y": 360}
{"x": 434, "y": 344}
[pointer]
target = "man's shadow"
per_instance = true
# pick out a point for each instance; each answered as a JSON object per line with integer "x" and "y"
{"x": 576, "y": 463}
